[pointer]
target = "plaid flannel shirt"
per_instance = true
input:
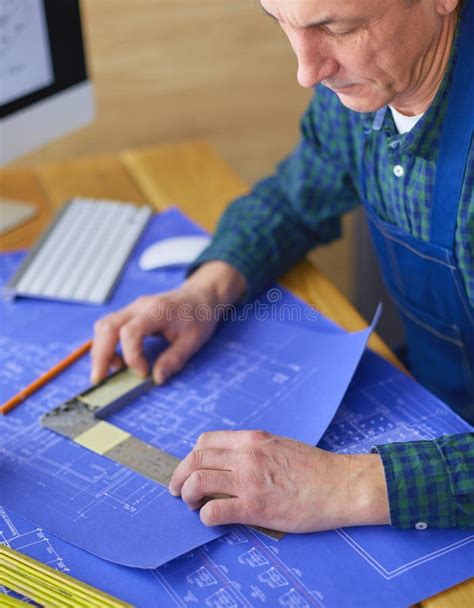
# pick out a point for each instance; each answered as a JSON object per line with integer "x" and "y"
{"x": 262, "y": 234}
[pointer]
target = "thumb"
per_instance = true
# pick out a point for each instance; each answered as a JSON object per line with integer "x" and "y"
{"x": 174, "y": 358}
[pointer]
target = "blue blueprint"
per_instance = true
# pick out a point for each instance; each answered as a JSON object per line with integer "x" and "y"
{"x": 366, "y": 567}
{"x": 251, "y": 375}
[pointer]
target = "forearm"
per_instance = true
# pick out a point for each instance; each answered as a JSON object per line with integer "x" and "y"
{"x": 219, "y": 282}
{"x": 265, "y": 232}
{"x": 417, "y": 484}
{"x": 367, "y": 496}
{"x": 261, "y": 235}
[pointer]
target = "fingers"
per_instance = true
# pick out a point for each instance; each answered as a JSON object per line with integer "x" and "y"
{"x": 235, "y": 477}
{"x": 106, "y": 337}
{"x": 223, "y": 511}
{"x": 202, "y": 484}
{"x": 129, "y": 325}
{"x": 116, "y": 363}
{"x": 205, "y": 474}
{"x": 132, "y": 334}
{"x": 231, "y": 439}
{"x": 196, "y": 460}
{"x": 173, "y": 359}
{"x": 145, "y": 316}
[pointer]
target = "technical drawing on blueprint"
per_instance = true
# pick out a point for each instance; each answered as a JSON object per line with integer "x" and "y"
{"x": 216, "y": 575}
{"x": 364, "y": 566}
{"x": 300, "y": 570}
{"x": 354, "y": 567}
{"x": 252, "y": 382}
{"x": 384, "y": 406}
{"x": 22, "y": 536}
{"x": 244, "y": 569}
{"x": 249, "y": 376}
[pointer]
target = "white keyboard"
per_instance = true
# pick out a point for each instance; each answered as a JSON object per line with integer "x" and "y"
{"x": 82, "y": 254}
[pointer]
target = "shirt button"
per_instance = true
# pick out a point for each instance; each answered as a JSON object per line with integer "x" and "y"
{"x": 421, "y": 525}
{"x": 398, "y": 171}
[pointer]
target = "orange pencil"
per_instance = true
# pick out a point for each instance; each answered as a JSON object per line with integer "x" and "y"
{"x": 46, "y": 377}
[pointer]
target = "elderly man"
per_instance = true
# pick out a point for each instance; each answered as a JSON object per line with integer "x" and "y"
{"x": 390, "y": 126}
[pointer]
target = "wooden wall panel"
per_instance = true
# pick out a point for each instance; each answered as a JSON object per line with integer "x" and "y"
{"x": 168, "y": 70}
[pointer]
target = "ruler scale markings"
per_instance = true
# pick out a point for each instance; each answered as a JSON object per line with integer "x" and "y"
{"x": 82, "y": 420}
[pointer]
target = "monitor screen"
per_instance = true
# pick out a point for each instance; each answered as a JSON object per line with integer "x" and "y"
{"x": 44, "y": 87}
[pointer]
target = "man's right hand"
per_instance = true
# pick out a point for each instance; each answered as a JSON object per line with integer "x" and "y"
{"x": 187, "y": 317}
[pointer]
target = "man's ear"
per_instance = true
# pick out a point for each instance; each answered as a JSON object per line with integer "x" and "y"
{"x": 446, "y": 7}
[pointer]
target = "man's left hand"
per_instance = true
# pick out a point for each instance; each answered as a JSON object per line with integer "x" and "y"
{"x": 279, "y": 483}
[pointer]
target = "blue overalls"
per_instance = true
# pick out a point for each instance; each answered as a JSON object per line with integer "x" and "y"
{"x": 423, "y": 278}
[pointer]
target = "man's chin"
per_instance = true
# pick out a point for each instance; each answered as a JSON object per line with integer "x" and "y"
{"x": 355, "y": 98}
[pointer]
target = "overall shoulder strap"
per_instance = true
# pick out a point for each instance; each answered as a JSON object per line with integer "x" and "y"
{"x": 455, "y": 141}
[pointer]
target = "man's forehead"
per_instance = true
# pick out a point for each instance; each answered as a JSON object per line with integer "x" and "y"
{"x": 305, "y": 13}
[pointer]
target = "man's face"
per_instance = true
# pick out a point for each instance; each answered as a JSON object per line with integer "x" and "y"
{"x": 369, "y": 52}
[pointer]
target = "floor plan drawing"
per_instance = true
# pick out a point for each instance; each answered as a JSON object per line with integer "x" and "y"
{"x": 391, "y": 409}
{"x": 25, "y": 538}
{"x": 244, "y": 569}
{"x": 249, "y": 376}
{"x": 232, "y": 567}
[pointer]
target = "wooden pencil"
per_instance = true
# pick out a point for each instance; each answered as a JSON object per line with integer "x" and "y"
{"x": 45, "y": 378}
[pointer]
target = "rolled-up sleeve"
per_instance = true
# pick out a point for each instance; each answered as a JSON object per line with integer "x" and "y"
{"x": 430, "y": 483}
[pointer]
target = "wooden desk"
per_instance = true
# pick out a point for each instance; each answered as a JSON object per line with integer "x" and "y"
{"x": 192, "y": 177}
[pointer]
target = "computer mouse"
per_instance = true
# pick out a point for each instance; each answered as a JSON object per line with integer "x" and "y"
{"x": 175, "y": 251}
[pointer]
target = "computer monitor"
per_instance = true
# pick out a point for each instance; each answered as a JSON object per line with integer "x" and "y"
{"x": 44, "y": 87}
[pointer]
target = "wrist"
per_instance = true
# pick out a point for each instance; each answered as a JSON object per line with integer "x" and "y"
{"x": 220, "y": 283}
{"x": 368, "y": 499}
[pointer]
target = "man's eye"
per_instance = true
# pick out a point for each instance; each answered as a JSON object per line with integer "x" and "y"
{"x": 333, "y": 34}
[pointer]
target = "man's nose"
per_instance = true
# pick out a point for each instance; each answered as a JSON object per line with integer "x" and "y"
{"x": 314, "y": 62}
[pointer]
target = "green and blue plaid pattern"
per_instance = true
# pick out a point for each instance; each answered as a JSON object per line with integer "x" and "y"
{"x": 431, "y": 482}
{"x": 265, "y": 232}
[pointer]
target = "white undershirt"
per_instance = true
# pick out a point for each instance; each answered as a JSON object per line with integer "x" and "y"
{"x": 404, "y": 123}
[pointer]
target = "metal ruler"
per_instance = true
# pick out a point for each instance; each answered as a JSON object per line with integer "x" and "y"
{"x": 47, "y": 586}
{"x": 82, "y": 419}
